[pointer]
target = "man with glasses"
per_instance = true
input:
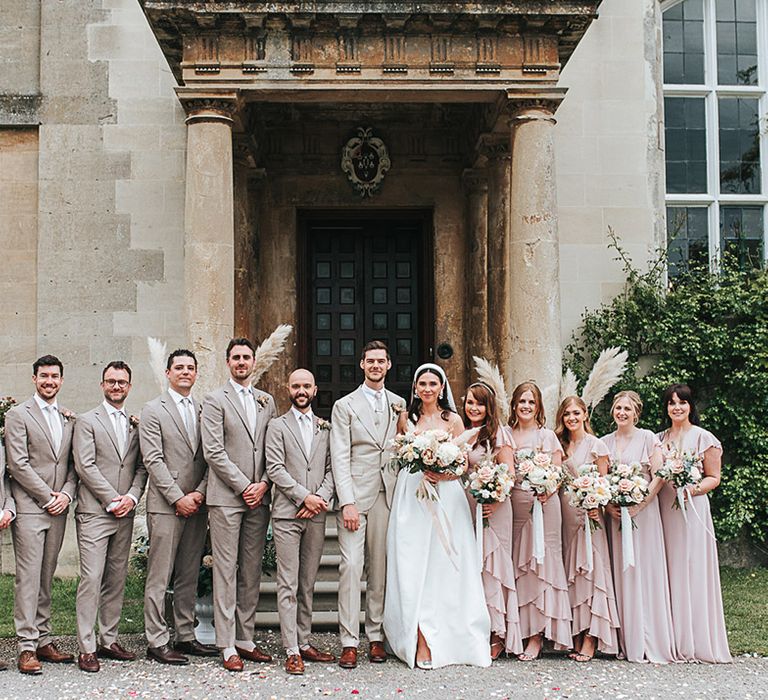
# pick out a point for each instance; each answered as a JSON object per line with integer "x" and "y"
{"x": 112, "y": 478}
{"x": 176, "y": 516}
{"x": 38, "y": 442}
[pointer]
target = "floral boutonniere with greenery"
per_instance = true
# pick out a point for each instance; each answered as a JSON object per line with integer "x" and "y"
{"x": 67, "y": 416}
{"x": 397, "y": 409}
{"x": 133, "y": 422}
{"x": 262, "y": 400}
{"x": 323, "y": 424}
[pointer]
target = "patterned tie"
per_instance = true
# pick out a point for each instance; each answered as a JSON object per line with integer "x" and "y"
{"x": 378, "y": 407}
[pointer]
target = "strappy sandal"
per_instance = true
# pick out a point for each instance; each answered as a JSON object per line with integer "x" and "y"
{"x": 581, "y": 658}
{"x": 498, "y": 645}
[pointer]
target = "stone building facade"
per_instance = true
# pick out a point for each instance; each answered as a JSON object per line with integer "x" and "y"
{"x": 174, "y": 169}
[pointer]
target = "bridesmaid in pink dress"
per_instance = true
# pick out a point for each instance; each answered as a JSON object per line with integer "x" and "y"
{"x": 694, "y": 572}
{"x": 542, "y": 589}
{"x": 498, "y": 570}
{"x": 642, "y": 590}
{"x": 593, "y": 604}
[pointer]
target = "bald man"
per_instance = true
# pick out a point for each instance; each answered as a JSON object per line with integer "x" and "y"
{"x": 298, "y": 462}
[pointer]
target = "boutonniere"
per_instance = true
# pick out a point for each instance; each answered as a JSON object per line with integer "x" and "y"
{"x": 67, "y": 416}
{"x": 262, "y": 400}
{"x": 397, "y": 409}
{"x": 323, "y": 424}
{"x": 133, "y": 421}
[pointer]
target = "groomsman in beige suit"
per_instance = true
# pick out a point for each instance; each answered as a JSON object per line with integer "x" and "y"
{"x": 299, "y": 465}
{"x": 169, "y": 433}
{"x": 112, "y": 478}
{"x": 364, "y": 424}
{"x": 7, "y": 510}
{"x": 234, "y": 424}
{"x": 38, "y": 444}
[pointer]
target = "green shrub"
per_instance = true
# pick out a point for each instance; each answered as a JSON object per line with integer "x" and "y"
{"x": 709, "y": 331}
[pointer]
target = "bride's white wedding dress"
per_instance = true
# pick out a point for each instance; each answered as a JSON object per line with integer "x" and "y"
{"x": 429, "y": 589}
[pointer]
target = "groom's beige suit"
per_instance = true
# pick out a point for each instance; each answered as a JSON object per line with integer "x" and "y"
{"x": 360, "y": 454}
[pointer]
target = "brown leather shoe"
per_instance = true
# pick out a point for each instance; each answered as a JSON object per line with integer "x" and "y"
{"x": 49, "y": 652}
{"x": 312, "y": 654}
{"x": 3, "y": 665}
{"x": 116, "y": 652}
{"x": 376, "y": 653}
{"x": 28, "y": 663}
{"x": 194, "y": 648}
{"x": 165, "y": 655}
{"x": 294, "y": 665}
{"x": 255, "y": 654}
{"x": 348, "y": 658}
{"x": 88, "y": 663}
{"x": 233, "y": 663}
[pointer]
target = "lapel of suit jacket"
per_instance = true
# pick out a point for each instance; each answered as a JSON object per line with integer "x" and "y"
{"x": 234, "y": 398}
{"x": 37, "y": 415}
{"x": 317, "y": 438}
{"x": 389, "y": 399}
{"x": 170, "y": 406}
{"x": 293, "y": 427}
{"x": 106, "y": 421}
{"x": 365, "y": 413}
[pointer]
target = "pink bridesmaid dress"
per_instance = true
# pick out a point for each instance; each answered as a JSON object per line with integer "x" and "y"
{"x": 542, "y": 589}
{"x": 642, "y": 590}
{"x": 593, "y": 604}
{"x": 694, "y": 571}
{"x": 498, "y": 568}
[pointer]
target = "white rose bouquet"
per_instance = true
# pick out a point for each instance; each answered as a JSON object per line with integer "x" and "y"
{"x": 628, "y": 488}
{"x": 490, "y": 482}
{"x": 681, "y": 469}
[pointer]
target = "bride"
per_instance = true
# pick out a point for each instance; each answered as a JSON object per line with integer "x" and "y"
{"x": 434, "y": 611}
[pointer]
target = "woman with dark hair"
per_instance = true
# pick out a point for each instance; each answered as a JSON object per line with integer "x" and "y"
{"x": 542, "y": 588}
{"x": 434, "y": 608}
{"x": 495, "y": 441}
{"x": 642, "y": 585}
{"x": 590, "y": 584}
{"x": 694, "y": 572}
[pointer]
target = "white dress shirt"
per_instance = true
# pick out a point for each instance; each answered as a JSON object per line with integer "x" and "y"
{"x": 119, "y": 419}
{"x": 186, "y": 408}
{"x": 51, "y": 411}
{"x": 376, "y": 399}
{"x": 248, "y": 400}
{"x": 306, "y": 426}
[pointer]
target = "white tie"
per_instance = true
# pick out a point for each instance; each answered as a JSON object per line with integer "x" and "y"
{"x": 306, "y": 429}
{"x": 378, "y": 406}
{"x": 250, "y": 408}
{"x": 54, "y": 423}
{"x": 119, "y": 424}
{"x": 189, "y": 418}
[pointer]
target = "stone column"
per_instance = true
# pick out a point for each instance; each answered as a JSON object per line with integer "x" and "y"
{"x": 209, "y": 262}
{"x": 494, "y": 148}
{"x": 535, "y": 255}
{"x": 476, "y": 325}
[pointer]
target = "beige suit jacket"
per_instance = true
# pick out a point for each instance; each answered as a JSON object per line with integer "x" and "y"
{"x": 6, "y": 499}
{"x": 175, "y": 466}
{"x": 103, "y": 473}
{"x": 361, "y": 450}
{"x": 33, "y": 466}
{"x": 295, "y": 473}
{"x": 234, "y": 455}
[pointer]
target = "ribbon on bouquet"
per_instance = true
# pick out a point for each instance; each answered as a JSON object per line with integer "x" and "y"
{"x": 681, "y": 502}
{"x": 435, "y": 510}
{"x": 588, "y": 542}
{"x": 538, "y": 531}
{"x": 479, "y": 535}
{"x": 627, "y": 540}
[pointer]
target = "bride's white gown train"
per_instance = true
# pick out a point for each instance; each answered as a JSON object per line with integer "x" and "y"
{"x": 426, "y": 588}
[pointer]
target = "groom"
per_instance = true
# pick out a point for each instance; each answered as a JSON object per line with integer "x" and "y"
{"x": 364, "y": 424}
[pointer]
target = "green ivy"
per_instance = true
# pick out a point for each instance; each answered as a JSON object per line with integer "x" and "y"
{"x": 709, "y": 331}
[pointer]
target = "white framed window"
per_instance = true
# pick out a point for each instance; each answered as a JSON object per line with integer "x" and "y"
{"x": 716, "y": 130}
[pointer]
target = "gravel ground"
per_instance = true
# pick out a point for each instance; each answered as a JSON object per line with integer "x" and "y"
{"x": 553, "y": 676}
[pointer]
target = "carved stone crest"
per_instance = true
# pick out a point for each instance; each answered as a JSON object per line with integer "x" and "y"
{"x": 365, "y": 160}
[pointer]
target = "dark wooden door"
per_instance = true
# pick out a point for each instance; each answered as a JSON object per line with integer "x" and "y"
{"x": 363, "y": 280}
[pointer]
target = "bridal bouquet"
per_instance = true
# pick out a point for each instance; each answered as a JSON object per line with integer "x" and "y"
{"x": 541, "y": 476}
{"x": 680, "y": 469}
{"x": 589, "y": 490}
{"x": 430, "y": 451}
{"x": 628, "y": 488}
{"x": 490, "y": 482}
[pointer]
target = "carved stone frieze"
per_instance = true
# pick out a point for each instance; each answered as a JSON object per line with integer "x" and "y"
{"x": 202, "y": 108}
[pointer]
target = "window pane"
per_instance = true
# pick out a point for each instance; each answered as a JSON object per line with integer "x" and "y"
{"x": 683, "y": 27}
{"x": 741, "y": 234}
{"x": 739, "y": 146}
{"x": 736, "y": 42}
{"x": 686, "y": 149}
{"x": 687, "y": 239}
